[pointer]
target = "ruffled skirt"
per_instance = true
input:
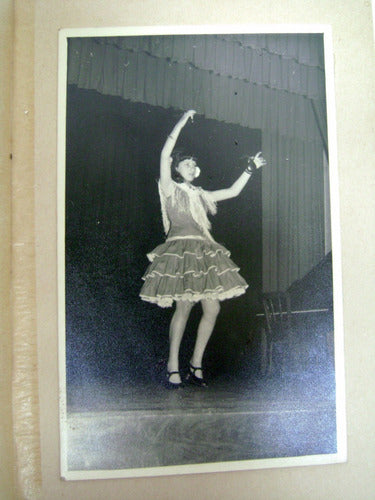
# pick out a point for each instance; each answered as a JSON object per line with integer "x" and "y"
{"x": 190, "y": 269}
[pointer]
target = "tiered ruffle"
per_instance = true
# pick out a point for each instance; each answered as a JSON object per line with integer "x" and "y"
{"x": 190, "y": 269}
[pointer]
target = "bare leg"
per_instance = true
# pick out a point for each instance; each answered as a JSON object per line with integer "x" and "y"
{"x": 176, "y": 332}
{"x": 211, "y": 309}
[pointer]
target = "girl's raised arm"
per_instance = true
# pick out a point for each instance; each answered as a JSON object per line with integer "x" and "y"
{"x": 224, "y": 194}
{"x": 165, "y": 157}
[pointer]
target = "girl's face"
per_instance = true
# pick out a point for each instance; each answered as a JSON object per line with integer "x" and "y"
{"x": 187, "y": 169}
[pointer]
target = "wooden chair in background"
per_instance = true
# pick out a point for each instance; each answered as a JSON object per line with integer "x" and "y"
{"x": 276, "y": 331}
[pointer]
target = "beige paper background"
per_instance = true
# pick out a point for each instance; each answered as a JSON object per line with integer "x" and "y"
{"x": 34, "y": 231}
{"x": 6, "y": 446}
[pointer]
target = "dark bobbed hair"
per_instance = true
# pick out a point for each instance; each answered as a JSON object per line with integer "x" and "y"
{"x": 177, "y": 157}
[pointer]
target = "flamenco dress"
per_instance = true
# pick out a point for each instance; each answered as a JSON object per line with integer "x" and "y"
{"x": 189, "y": 265}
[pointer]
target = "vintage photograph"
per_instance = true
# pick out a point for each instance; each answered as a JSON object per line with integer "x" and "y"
{"x": 198, "y": 326}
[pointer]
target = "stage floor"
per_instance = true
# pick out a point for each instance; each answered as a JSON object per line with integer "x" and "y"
{"x": 118, "y": 426}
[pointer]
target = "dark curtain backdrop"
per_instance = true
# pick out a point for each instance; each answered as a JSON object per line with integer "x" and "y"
{"x": 274, "y": 83}
{"x": 113, "y": 219}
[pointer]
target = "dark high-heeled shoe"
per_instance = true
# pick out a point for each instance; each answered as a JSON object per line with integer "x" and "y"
{"x": 173, "y": 385}
{"x": 193, "y": 379}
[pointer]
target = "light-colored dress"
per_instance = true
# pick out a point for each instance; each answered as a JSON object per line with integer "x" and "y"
{"x": 190, "y": 265}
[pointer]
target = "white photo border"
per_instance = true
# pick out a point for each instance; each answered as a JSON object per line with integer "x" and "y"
{"x": 256, "y": 464}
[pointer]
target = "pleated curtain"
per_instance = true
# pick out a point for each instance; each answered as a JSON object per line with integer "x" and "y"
{"x": 274, "y": 83}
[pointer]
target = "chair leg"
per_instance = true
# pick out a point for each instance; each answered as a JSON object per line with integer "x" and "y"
{"x": 270, "y": 358}
{"x": 263, "y": 352}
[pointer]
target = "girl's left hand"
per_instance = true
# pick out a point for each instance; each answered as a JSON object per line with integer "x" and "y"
{"x": 258, "y": 160}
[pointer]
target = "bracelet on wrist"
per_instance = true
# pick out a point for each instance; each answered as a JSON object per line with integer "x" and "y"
{"x": 250, "y": 166}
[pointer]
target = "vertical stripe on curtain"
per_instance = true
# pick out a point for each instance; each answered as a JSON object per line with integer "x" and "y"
{"x": 293, "y": 210}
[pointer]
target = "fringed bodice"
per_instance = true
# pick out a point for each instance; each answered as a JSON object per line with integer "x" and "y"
{"x": 185, "y": 206}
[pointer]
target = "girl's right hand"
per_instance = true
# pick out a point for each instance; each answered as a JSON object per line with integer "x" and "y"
{"x": 189, "y": 114}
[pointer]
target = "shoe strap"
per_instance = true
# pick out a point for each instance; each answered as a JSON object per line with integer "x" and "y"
{"x": 196, "y": 368}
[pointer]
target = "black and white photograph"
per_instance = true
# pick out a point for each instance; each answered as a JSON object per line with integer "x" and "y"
{"x": 200, "y": 322}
